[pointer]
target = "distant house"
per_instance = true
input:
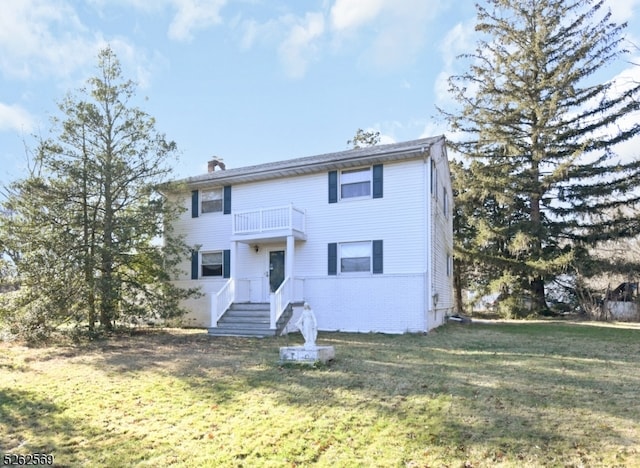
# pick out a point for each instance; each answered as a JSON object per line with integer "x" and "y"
{"x": 364, "y": 236}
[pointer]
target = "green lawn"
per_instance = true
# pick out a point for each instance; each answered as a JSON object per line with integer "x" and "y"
{"x": 526, "y": 394}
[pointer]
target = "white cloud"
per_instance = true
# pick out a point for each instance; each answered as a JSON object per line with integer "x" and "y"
{"x": 391, "y": 32}
{"x": 15, "y": 117}
{"x": 42, "y": 37}
{"x": 253, "y": 32}
{"x": 460, "y": 39}
{"x": 301, "y": 44}
{"x": 622, "y": 11}
{"x": 189, "y": 15}
{"x": 348, "y": 14}
{"x": 433, "y": 128}
{"x": 628, "y": 78}
{"x": 398, "y": 29}
{"x": 193, "y": 15}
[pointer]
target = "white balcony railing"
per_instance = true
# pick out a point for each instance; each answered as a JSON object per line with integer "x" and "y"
{"x": 269, "y": 219}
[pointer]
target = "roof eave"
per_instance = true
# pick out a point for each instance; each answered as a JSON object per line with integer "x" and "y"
{"x": 259, "y": 173}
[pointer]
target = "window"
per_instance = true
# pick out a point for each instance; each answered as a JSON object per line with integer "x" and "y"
{"x": 355, "y": 257}
{"x": 449, "y": 265}
{"x": 355, "y": 183}
{"x": 211, "y": 264}
{"x": 434, "y": 178}
{"x": 211, "y": 201}
{"x": 445, "y": 202}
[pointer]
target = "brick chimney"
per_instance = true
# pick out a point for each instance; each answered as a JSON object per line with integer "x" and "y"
{"x": 215, "y": 162}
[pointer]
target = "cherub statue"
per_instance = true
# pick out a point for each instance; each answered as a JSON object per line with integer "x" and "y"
{"x": 308, "y": 326}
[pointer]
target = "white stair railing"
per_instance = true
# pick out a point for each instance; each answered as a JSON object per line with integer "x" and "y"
{"x": 279, "y": 300}
{"x": 221, "y": 301}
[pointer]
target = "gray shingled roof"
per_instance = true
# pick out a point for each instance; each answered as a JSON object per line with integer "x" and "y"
{"x": 354, "y": 157}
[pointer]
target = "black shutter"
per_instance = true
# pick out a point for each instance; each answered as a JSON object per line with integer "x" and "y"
{"x": 226, "y": 263}
{"x": 194, "y": 204}
{"x": 227, "y": 200}
{"x": 333, "y": 186}
{"x": 194, "y": 264}
{"x": 377, "y": 181}
{"x": 333, "y": 259}
{"x": 377, "y": 256}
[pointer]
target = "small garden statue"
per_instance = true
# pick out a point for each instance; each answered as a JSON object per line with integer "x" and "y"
{"x": 308, "y": 326}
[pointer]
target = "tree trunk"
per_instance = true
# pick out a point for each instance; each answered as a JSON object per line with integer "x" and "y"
{"x": 88, "y": 240}
{"x": 458, "y": 304}
{"x": 539, "y": 302}
{"x": 106, "y": 265}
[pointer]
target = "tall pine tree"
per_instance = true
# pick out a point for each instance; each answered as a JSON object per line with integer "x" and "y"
{"x": 83, "y": 229}
{"x": 543, "y": 131}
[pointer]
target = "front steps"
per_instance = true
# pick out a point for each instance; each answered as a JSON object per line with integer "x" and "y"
{"x": 250, "y": 319}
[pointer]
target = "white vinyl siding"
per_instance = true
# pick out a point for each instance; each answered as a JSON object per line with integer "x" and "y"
{"x": 442, "y": 241}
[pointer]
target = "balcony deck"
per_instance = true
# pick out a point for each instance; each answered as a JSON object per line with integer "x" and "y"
{"x": 269, "y": 224}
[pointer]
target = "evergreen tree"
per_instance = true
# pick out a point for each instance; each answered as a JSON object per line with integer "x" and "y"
{"x": 543, "y": 132}
{"x": 84, "y": 227}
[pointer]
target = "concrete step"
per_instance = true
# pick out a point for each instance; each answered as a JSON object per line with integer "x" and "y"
{"x": 241, "y": 325}
{"x": 247, "y": 313}
{"x": 257, "y": 306}
{"x": 259, "y": 333}
{"x": 248, "y": 319}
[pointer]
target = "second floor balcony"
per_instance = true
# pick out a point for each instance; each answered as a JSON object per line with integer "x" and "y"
{"x": 271, "y": 223}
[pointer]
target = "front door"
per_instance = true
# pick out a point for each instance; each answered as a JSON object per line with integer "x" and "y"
{"x": 276, "y": 269}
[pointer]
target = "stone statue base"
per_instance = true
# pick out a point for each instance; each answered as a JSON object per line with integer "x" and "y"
{"x": 307, "y": 355}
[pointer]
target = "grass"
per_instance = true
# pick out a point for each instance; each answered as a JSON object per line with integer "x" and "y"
{"x": 526, "y": 394}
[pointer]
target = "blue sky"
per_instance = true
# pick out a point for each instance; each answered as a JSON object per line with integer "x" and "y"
{"x": 251, "y": 81}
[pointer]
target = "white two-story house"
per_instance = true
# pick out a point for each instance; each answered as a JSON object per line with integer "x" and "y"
{"x": 365, "y": 236}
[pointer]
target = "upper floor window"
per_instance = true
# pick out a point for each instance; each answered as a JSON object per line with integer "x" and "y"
{"x": 211, "y": 201}
{"x": 367, "y": 182}
{"x": 355, "y": 183}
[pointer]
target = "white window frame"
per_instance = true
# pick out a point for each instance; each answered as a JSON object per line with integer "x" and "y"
{"x": 216, "y": 195}
{"x": 345, "y": 175}
{"x": 345, "y": 246}
{"x": 202, "y": 264}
